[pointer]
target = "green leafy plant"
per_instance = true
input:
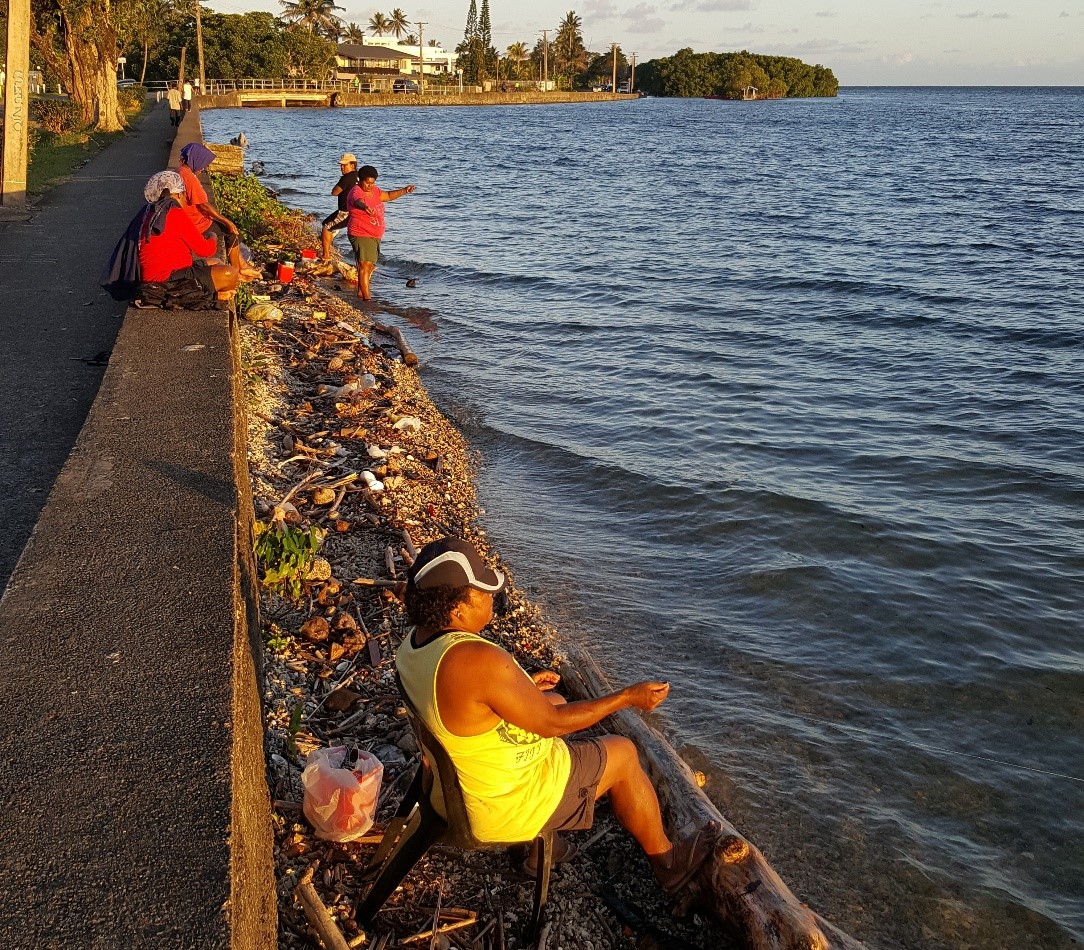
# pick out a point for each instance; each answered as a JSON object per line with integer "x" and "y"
{"x": 285, "y": 554}
{"x": 56, "y": 115}
{"x": 295, "y": 727}
{"x": 132, "y": 98}
{"x": 266, "y": 226}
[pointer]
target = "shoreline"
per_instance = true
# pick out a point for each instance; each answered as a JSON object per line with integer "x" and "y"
{"x": 286, "y": 364}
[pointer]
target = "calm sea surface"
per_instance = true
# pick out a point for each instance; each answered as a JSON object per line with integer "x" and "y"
{"x": 783, "y": 402}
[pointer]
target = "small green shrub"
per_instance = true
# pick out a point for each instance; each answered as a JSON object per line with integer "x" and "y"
{"x": 286, "y": 554}
{"x": 131, "y": 98}
{"x": 58, "y": 116}
{"x": 266, "y": 226}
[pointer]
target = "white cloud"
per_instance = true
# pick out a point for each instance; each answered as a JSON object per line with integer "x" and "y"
{"x": 981, "y": 15}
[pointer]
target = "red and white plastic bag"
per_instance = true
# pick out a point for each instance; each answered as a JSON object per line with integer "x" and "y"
{"x": 340, "y": 798}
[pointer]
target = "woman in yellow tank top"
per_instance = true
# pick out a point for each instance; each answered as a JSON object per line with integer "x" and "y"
{"x": 501, "y": 732}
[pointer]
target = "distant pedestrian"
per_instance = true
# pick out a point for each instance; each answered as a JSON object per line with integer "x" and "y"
{"x": 366, "y": 227}
{"x": 187, "y": 95}
{"x": 173, "y": 97}
{"x": 348, "y": 165}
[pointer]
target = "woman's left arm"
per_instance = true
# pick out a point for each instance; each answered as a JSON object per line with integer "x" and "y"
{"x": 398, "y": 193}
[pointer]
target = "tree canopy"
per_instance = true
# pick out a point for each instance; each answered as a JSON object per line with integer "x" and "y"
{"x": 727, "y": 74}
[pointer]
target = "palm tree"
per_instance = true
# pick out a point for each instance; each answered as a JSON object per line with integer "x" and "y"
{"x": 354, "y": 34}
{"x": 315, "y": 15}
{"x": 398, "y": 22}
{"x": 518, "y": 54}
{"x": 568, "y": 46}
{"x": 379, "y": 24}
{"x": 411, "y": 40}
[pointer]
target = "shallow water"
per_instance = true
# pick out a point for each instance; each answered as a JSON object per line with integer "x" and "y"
{"x": 782, "y": 402}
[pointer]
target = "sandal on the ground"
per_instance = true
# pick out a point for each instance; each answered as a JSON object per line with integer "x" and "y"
{"x": 676, "y": 868}
{"x": 563, "y": 851}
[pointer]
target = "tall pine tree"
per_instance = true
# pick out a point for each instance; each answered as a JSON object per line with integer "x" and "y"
{"x": 472, "y": 59}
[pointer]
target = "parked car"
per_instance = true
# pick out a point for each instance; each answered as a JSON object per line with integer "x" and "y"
{"x": 405, "y": 85}
{"x": 125, "y": 83}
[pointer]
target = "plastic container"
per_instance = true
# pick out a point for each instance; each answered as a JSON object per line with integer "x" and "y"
{"x": 308, "y": 254}
{"x": 286, "y": 271}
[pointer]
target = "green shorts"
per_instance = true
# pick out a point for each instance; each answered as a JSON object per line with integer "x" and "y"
{"x": 365, "y": 249}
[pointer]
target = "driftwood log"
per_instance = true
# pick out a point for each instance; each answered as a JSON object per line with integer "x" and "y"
{"x": 736, "y": 885}
{"x": 318, "y": 916}
{"x": 396, "y": 334}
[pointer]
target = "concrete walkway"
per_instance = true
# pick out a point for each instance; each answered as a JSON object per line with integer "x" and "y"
{"x": 53, "y": 315}
{"x": 132, "y": 775}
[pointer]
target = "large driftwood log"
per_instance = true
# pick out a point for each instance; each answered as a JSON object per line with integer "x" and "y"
{"x": 736, "y": 885}
{"x": 396, "y": 334}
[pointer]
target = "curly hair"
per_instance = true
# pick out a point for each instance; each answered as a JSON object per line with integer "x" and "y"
{"x": 431, "y": 608}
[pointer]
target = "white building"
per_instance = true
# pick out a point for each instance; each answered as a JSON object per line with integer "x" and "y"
{"x": 438, "y": 60}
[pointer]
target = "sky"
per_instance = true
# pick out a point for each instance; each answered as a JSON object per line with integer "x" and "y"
{"x": 864, "y": 42}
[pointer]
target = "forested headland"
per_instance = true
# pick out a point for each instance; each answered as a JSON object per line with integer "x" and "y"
{"x": 729, "y": 74}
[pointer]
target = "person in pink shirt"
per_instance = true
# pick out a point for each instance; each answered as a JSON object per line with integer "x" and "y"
{"x": 366, "y": 227}
{"x": 195, "y": 157}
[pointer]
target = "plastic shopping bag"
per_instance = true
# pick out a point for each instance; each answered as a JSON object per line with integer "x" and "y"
{"x": 340, "y": 797}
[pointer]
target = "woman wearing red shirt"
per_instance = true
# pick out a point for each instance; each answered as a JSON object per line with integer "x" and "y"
{"x": 170, "y": 247}
{"x": 366, "y": 227}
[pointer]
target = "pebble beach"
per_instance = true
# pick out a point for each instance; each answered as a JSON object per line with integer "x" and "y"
{"x": 313, "y": 427}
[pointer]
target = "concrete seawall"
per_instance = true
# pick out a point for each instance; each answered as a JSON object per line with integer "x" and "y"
{"x": 137, "y": 805}
{"x": 280, "y": 99}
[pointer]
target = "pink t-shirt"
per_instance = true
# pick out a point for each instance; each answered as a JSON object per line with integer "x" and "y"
{"x": 196, "y": 195}
{"x": 370, "y": 223}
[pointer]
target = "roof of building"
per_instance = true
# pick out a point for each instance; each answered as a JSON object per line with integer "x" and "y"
{"x": 358, "y": 51}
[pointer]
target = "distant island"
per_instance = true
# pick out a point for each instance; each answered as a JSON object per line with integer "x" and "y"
{"x": 741, "y": 75}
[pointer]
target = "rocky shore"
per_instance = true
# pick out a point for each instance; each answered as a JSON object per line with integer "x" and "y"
{"x": 330, "y": 399}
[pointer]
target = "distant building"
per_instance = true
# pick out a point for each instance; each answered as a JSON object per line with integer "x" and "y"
{"x": 382, "y": 56}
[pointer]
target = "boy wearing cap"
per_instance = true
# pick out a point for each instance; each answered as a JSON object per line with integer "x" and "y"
{"x": 348, "y": 165}
{"x": 503, "y": 733}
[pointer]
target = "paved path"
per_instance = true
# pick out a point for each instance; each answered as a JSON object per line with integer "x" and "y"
{"x": 53, "y": 315}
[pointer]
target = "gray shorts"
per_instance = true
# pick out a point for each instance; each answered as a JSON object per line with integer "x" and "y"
{"x": 576, "y": 809}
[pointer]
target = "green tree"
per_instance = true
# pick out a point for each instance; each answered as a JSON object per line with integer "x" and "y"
{"x": 317, "y": 16}
{"x": 379, "y": 24}
{"x": 398, "y": 22}
{"x": 517, "y": 54}
{"x": 354, "y": 33}
{"x": 308, "y": 55}
{"x": 78, "y": 43}
{"x": 569, "y": 55}
{"x": 471, "y": 56}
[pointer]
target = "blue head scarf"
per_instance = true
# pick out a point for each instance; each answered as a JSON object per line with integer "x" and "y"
{"x": 197, "y": 156}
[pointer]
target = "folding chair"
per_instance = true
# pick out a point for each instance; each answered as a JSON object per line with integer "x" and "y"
{"x": 432, "y": 811}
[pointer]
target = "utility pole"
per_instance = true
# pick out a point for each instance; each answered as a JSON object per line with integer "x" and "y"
{"x": 199, "y": 51}
{"x": 545, "y": 60}
{"x": 16, "y": 107}
{"x": 180, "y": 71}
{"x": 421, "y": 55}
{"x": 613, "y": 82}
{"x": 632, "y": 75}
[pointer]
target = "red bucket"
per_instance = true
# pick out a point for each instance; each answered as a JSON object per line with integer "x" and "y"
{"x": 286, "y": 272}
{"x": 308, "y": 254}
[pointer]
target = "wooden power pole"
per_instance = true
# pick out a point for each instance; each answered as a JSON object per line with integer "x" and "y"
{"x": 421, "y": 55}
{"x": 613, "y": 81}
{"x": 16, "y": 106}
{"x": 199, "y": 51}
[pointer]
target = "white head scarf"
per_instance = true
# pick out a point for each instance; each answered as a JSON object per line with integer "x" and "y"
{"x": 163, "y": 181}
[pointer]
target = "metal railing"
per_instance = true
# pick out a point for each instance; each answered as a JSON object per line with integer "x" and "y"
{"x": 371, "y": 85}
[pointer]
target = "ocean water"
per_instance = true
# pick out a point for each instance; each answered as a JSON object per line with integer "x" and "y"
{"x": 782, "y": 402}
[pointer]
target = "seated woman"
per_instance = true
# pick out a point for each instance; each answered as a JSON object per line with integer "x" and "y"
{"x": 171, "y": 251}
{"x": 195, "y": 157}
